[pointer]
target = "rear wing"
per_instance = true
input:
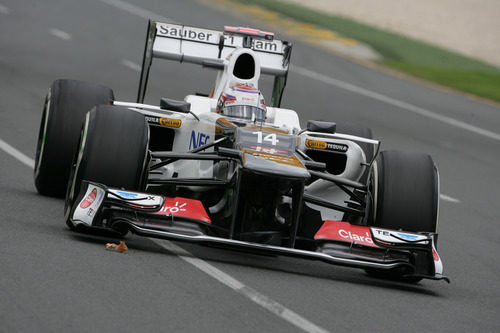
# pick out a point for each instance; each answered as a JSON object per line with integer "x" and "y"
{"x": 209, "y": 47}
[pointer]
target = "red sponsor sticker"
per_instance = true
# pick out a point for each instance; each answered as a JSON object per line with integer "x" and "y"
{"x": 89, "y": 199}
{"x": 346, "y": 232}
{"x": 435, "y": 254}
{"x": 184, "y": 207}
{"x": 246, "y": 88}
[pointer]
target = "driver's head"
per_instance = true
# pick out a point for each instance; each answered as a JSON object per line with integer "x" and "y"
{"x": 242, "y": 101}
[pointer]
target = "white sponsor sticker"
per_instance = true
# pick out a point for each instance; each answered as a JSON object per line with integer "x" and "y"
{"x": 176, "y": 31}
{"x": 189, "y": 33}
{"x": 135, "y": 198}
{"x": 399, "y": 237}
{"x": 88, "y": 206}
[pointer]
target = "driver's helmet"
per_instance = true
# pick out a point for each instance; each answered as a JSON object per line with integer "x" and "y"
{"x": 242, "y": 101}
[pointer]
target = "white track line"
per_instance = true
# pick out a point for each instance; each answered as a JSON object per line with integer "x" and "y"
{"x": 448, "y": 198}
{"x": 138, "y": 11}
{"x": 392, "y": 101}
{"x": 17, "y": 154}
{"x": 60, "y": 34}
{"x": 132, "y": 65}
{"x": 252, "y": 294}
{"x": 4, "y": 10}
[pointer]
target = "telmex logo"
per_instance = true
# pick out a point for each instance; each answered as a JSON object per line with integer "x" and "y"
{"x": 127, "y": 194}
{"x": 407, "y": 236}
{"x": 169, "y": 122}
{"x": 315, "y": 144}
{"x": 355, "y": 237}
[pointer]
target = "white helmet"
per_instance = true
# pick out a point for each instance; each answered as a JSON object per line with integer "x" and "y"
{"x": 242, "y": 101}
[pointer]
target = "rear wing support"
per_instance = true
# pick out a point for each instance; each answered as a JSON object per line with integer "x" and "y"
{"x": 210, "y": 47}
{"x": 147, "y": 59}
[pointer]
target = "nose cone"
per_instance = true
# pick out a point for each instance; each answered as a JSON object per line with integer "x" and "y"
{"x": 275, "y": 165}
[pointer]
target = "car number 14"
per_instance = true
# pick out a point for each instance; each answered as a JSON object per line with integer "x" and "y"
{"x": 268, "y": 138}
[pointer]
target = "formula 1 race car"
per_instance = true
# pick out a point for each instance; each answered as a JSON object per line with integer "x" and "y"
{"x": 229, "y": 171}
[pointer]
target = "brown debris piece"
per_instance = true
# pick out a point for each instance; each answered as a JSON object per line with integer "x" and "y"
{"x": 122, "y": 247}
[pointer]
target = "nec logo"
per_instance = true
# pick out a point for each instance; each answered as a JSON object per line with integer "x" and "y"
{"x": 198, "y": 139}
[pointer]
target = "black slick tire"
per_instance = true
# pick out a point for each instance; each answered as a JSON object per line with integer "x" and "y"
{"x": 406, "y": 190}
{"x": 113, "y": 151}
{"x": 407, "y": 195}
{"x": 64, "y": 111}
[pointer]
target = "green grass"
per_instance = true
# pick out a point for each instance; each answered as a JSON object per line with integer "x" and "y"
{"x": 404, "y": 54}
{"x": 480, "y": 83}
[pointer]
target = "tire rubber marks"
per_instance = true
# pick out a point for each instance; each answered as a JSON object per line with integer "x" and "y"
{"x": 60, "y": 34}
{"x": 131, "y": 65}
{"x": 4, "y": 10}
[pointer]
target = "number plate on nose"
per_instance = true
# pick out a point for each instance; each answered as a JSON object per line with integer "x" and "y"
{"x": 266, "y": 141}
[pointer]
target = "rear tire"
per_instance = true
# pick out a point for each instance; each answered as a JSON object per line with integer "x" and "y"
{"x": 113, "y": 151}
{"x": 65, "y": 107}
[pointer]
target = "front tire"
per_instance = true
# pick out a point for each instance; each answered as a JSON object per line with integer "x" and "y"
{"x": 113, "y": 151}
{"x": 406, "y": 197}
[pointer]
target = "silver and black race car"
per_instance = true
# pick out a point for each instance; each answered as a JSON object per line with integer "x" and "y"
{"x": 228, "y": 170}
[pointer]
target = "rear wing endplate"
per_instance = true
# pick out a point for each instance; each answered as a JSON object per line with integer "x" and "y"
{"x": 205, "y": 47}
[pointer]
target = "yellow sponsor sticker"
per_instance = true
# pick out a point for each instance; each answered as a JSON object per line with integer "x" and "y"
{"x": 315, "y": 144}
{"x": 169, "y": 122}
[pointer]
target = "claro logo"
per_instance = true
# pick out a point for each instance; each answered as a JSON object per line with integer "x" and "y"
{"x": 355, "y": 237}
{"x": 174, "y": 209}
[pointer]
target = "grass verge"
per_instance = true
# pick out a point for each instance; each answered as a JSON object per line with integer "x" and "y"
{"x": 402, "y": 53}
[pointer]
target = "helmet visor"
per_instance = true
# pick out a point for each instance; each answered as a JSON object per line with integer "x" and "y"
{"x": 245, "y": 112}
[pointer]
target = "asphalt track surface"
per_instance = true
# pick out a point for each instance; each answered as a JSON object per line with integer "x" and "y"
{"x": 54, "y": 280}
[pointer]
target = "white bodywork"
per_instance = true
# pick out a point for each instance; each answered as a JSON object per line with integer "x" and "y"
{"x": 199, "y": 46}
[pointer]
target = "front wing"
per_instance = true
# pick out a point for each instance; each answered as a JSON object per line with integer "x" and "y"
{"x": 182, "y": 219}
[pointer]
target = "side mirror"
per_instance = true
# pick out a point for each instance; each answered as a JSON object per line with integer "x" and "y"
{"x": 321, "y": 126}
{"x": 172, "y": 104}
